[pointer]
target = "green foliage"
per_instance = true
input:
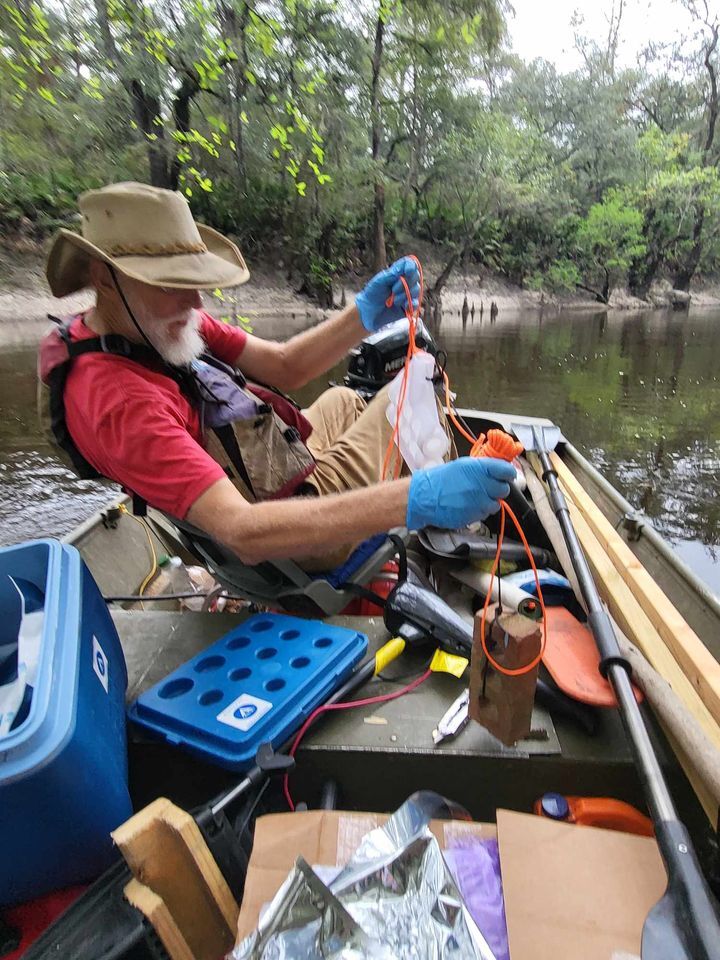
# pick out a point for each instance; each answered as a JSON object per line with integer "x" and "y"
{"x": 561, "y": 276}
{"x": 261, "y": 113}
{"x": 610, "y": 236}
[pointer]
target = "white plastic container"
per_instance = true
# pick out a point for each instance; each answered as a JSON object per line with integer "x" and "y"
{"x": 422, "y": 439}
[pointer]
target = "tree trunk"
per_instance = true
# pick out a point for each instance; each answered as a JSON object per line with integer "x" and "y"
{"x": 181, "y": 116}
{"x": 600, "y": 296}
{"x": 377, "y": 243}
{"x": 146, "y": 108}
{"x": 683, "y": 276}
{"x": 686, "y": 271}
{"x": 644, "y": 269}
{"x": 432, "y": 296}
{"x": 606, "y": 286}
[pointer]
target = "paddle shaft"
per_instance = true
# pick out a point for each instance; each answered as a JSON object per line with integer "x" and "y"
{"x": 686, "y": 883}
{"x": 613, "y": 664}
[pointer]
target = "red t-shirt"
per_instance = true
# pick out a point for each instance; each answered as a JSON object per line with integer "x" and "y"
{"x": 134, "y": 425}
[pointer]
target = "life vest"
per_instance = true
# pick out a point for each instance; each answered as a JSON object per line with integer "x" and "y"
{"x": 254, "y": 432}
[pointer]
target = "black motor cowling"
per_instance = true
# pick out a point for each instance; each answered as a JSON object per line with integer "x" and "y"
{"x": 378, "y": 358}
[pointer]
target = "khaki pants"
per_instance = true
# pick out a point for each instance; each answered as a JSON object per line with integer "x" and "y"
{"x": 349, "y": 442}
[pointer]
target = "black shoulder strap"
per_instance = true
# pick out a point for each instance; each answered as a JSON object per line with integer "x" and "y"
{"x": 117, "y": 345}
{"x": 110, "y": 344}
{"x": 114, "y": 344}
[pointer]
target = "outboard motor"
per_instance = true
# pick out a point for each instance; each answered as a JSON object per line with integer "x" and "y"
{"x": 378, "y": 358}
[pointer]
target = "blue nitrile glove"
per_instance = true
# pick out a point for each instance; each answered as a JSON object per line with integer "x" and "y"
{"x": 456, "y": 493}
{"x": 372, "y": 300}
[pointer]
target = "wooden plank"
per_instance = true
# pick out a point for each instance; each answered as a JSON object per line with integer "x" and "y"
{"x": 166, "y": 852}
{"x": 634, "y": 623}
{"x": 685, "y": 734}
{"x": 700, "y": 666}
{"x": 152, "y": 906}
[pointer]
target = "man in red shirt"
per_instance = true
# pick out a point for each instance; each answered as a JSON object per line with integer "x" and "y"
{"x": 147, "y": 261}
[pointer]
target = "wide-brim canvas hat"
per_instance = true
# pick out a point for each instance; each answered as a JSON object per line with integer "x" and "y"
{"x": 146, "y": 233}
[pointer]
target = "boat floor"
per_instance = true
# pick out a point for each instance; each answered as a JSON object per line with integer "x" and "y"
{"x": 378, "y": 755}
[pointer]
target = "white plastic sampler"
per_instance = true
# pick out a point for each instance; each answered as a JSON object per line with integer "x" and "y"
{"x": 422, "y": 439}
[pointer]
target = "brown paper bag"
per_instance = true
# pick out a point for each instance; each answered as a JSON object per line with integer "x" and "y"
{"x": 503, "y": 704}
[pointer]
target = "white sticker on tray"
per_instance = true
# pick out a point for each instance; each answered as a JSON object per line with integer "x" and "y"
{"x": 244, "y": 712}
{"x": 100, "y": 663}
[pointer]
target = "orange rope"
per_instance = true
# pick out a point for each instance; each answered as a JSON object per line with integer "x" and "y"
{"x": 497, "y": 444}
{"x": 517, "y": 671}
{"x": 451, "y": 413}
{"x": 500, "y": 445}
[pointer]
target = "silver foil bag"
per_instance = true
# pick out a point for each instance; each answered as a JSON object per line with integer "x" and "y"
{"x": 395, "y": 900}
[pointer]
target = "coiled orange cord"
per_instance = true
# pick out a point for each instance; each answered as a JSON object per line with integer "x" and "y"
{"x": 497, "y": 444}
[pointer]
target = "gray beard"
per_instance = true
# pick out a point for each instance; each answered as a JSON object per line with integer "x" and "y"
{"x": 179, "y": 353}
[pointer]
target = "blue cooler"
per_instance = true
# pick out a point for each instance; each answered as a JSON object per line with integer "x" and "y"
{"x": 63, "y": 770}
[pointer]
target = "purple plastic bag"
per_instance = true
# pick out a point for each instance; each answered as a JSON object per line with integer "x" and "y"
{"x": 475, "y": 865}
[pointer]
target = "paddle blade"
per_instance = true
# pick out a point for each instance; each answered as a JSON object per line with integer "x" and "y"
{"x": 536, "y": 436}
{"x": 685, "y": 924}
{"x": 572, "y": 660}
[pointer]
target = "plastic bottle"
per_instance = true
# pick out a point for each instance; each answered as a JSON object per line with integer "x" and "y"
{"x": 422, "y": 439}
{"x": 181, "y": 582}
{"x": 192, "y": 579}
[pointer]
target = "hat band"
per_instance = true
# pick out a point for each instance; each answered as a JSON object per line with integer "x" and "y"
{"x": 154, "y": 249}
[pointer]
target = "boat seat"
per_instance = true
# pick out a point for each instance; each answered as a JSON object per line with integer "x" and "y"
{"x": 283, "y": 582}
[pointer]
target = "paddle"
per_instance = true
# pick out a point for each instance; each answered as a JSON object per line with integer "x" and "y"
{"x": 686, "y": 922}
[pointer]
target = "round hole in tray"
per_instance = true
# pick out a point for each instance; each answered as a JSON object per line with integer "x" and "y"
{"x": 175, "y": 688}
{"x": 300, "y": 662}
{"x": 237, "y": 643}
{"x": 240, "y": 673}
{"x": 289, "y": 634}
{"x": 266, "y": 653}
{"x": 322, "y": 642}
{"x": 210, "y": 696}
{"x": 260, "y": 626}
{"x": 209, "y": 663}
{"x": 277, "y": 683}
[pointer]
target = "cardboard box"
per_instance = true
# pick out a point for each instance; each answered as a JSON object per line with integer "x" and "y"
{"x": 570, "y": 891}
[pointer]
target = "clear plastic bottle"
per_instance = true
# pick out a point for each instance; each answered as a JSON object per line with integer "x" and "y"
{"x": 190, "y": 580}
{"x": 180, "y": 581}
{"x": 422, "y": 439}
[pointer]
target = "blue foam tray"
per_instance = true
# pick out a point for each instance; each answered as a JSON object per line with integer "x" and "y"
{"x": 257, "y": 683}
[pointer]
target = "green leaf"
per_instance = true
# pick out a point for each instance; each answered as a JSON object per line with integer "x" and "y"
{"x": 301, "y": 186}
{"x": 47, "y": 95}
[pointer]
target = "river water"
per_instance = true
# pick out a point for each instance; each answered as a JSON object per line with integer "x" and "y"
{"x": 637, "y": 393}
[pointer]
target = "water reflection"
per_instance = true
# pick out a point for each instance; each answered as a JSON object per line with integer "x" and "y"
{"x": 638, "y": 393}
